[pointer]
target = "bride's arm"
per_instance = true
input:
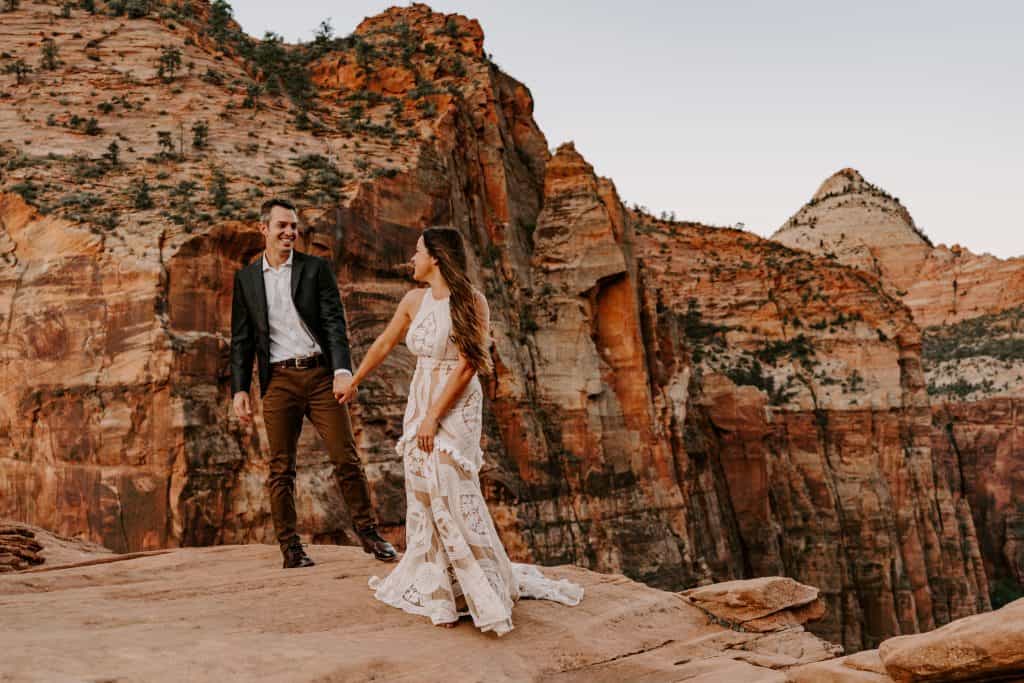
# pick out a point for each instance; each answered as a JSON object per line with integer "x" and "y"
{"x": 460, "y": 376}
{"x": 386, "y": 341}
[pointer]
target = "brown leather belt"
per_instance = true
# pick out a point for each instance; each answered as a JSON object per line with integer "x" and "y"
{"x": 314, "y": 361}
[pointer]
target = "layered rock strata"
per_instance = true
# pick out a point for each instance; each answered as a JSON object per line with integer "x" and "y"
{"x": 971, "y": 311}
{"x": 808, "y": 399}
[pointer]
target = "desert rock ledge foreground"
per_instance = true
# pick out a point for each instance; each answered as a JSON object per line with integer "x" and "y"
{"x": 229, "y": 613}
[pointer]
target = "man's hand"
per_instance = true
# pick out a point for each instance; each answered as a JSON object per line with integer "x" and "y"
{"x": 344, "y": 388}
{"x": 243, "y": 407}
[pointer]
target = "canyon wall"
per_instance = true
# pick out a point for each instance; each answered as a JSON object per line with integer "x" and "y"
{"x": 971, "y": 311}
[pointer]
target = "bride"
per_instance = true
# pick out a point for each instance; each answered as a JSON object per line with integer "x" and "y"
{"x": 454, "y": 562}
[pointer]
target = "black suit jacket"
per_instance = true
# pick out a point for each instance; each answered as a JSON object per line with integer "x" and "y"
{"x": 315, "y": 293}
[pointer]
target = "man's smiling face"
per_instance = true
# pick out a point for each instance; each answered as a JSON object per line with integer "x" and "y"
{"x": 281, "y": 231}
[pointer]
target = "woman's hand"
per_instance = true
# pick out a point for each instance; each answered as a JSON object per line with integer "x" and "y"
{"x": 345, "y": 389}
{"x": 243, "y": 407}
{"x": 425, "y": 435}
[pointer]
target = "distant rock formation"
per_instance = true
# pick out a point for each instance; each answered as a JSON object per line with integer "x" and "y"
{"x": 971, "y": 311}
{"x": 863, "y": 226}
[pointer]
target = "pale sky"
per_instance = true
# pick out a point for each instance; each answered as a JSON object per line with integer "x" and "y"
{"x": 734, "y": 111}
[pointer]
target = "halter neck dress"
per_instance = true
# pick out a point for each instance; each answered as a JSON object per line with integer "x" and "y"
{"x": 454, "y": 562}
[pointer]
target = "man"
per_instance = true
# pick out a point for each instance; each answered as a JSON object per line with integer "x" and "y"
{"x": 287, "y": 313}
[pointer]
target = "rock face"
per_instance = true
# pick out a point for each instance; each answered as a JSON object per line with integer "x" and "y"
{"x": 971, "y": 311}
{"x": 19, "y": 548}
{"x": 682, "y": 404}
{"x": 808, "y": 401}
{"x": 980, "y": 445}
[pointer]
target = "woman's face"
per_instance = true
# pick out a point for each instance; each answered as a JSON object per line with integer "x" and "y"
{"x": 423, "y": 263}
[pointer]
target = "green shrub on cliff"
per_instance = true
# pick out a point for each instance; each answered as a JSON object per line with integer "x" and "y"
{"x": 999, "y": 335}
{"x": 961, "y": 388}
{"x": 20, "y": 70}
{"x": 320, "y": 178}
{"x": 139, "y": 195}
{"x": 50, "y": 55}
{"x": 798, "y": 348}
{"x": 749, "y": 371}
{"x": 28, "y": 190}
{"x": 699, "y": 332}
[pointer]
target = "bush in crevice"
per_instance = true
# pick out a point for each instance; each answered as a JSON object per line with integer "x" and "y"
{"x": 139, "y": 195}
{"x": 200, "y": 135}
{"x": 50, "y": 55}
{"x": 168, "y": 63}
{"x": 20, "y": 70}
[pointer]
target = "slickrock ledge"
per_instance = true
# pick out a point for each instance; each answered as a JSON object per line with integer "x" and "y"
{"x": 983, "y": 647}
{"x": 986, "y": 647}
{"x": 231, "y": 613}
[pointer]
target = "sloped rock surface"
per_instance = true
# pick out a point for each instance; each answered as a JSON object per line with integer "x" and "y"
{"x": 231, "y": 613}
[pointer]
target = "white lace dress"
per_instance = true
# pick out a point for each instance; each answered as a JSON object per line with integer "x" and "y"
{"x": 454, "y": 563}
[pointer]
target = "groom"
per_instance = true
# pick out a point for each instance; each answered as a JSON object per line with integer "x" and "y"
{"x": 286, "y": 312}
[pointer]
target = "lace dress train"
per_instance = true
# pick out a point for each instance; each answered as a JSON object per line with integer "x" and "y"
{"x": 454, "y": 563}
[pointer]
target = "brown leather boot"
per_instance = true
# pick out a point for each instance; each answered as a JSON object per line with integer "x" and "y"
{"x": 377, "y": 546}
{"x": 295, "y": 556}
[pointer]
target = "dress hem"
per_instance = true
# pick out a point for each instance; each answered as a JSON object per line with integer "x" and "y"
{"x": 499, "y": 627}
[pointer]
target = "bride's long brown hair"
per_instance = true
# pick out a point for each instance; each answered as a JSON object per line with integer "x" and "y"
{"x": 468, "y": 333}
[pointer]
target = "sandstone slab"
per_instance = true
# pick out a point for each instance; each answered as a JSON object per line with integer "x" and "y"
{"x": 231, "y": 613}
{"x": 763, "y": 604}
{"x": 863, "y": 667}
{"x": 986, "y": 646}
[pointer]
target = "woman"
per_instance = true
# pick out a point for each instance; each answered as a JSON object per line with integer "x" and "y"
{"x": 454, "y": 562}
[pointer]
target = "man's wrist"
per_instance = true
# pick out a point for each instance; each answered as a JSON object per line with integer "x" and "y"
{"x": 342, "y": 371}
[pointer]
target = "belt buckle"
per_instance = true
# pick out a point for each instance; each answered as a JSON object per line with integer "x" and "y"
{"x": 305, "y": 362}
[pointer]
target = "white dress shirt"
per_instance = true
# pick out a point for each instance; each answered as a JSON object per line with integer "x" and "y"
{"x": 289, "y": 336}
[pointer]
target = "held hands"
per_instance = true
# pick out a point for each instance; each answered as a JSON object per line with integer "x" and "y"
{"x": 426, "y": 433}
{"x": 243, "y": 407}
{"x": 345, "y": 389}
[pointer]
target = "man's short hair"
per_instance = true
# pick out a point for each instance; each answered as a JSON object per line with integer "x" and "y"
{"x": 269, "y": 205}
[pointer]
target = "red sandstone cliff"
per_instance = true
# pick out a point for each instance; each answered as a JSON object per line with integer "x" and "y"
{"x": 679, "y": 403}
{"x": 971, "y": 311}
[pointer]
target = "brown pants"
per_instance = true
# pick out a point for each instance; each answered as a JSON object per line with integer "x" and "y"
{"x": 292, "y": 394}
